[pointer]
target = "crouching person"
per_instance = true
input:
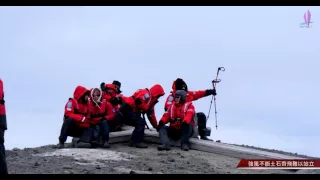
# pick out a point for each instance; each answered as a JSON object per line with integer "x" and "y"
{"x": 76, "y": 123}
{"x": 130, "y": 113}
{"x": 102, "y": 116}
{"x": 180, "y": 115}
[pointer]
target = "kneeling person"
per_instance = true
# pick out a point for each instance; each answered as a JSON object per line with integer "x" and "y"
{"x": 180, "y": 115}
{"x": 76, "y": 123}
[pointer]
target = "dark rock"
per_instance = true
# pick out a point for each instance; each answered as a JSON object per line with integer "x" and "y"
{"x": 170, "y": 159}
{"x": 36, "y": 164}
{"x": 133, "y": 172}
{"x": 150, "y": 169}
{"x": 66, "y": 167}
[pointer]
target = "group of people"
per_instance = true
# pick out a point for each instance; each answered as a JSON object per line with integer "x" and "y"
{"x": 91, "y": 114}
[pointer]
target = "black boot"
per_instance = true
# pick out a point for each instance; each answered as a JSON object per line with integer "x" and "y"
{"x": 205, "y": 138}
{"x": 164, "y": 147}
{"x": 185, "y": 147}
{"x": 105, "y": 145}
{"x": 83, "y": 145}
{"x": 61, "y": 145}
{"x": 137, "y": 145}
{"x": 95, "y": 144}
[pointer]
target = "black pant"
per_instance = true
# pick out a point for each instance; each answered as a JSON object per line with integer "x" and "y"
{"x": 70, "y": 128}
{"x": 202, "y": 123}
{"x": 3, "y": 163}
{"x": 184, "y": 133}
{"x": 128, "y": 117}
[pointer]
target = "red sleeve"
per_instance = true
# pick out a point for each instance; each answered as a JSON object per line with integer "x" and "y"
{"x": 168, "y": 102}
{"x": 69, "y": 110}
{"x": 198, "y": 94}
{"x": 166, "y": 116}
{"x": 145, "y": 97}
{"x": 152, "y": 118}
{"x": 107, "y": 97}
{"x": 123, "y": 98}
{"x": 110, "y": 114}
{"x": 189, "y": 114}
{"x": 1, "y": 90}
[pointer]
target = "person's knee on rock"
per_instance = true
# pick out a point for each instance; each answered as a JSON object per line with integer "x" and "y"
{"x": 180, "y": 115}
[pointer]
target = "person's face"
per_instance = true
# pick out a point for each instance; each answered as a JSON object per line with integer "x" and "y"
{"x": 177, "y": 99}
{"x": 110, "y": 91}
{"x": 117, "y": 87}
{"x": 86, "y": 97}
{"x": 96, "y": 95}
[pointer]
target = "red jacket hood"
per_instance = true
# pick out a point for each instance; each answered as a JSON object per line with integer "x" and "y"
{"x": 157, "y": 90}
{"x": 79, "y": 91}
{"x": 91, "y": 94}
{"x": 174, "y": 86}
{"x": 111, "y": 86}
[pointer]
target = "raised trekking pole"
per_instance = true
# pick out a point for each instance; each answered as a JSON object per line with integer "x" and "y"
{"x": 214, "y": 82}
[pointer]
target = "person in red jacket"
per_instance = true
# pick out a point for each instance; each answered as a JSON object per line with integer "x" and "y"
{"x": 141, "y": 102}
{"x": 110, "y": 94}
{"x": 102, "y": 116}
{"x": 76, "y": 122}
{"x": 179, "y": 84}
{"x": 3, "y": 128}
{"x": 113, "y": 94}
{"x": 118, "y": 100}
{"x": 180, "y": 115}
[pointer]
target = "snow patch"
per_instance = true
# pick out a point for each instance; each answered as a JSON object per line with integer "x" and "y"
{"x": 90, "y": 156}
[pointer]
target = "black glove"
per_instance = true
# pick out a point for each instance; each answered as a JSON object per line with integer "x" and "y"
{"x": 116, "y": 100}
{"x": 184, "y": 124}
{"x": 137, "y": 101}
{"x": 211, "y": 92}
{"x": 160, "y": 125}
{"x": 2, "y": 101}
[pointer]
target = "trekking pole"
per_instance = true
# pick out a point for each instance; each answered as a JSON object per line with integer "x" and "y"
{"x": 144, "y": 118}
{"x": 214, "y": 82}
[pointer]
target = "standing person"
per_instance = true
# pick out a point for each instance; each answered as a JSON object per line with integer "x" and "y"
{"x": 3, "y": 128}
{"x": 180, "y": 115}
{"x": 180, "y": 84}
{"x": 142, "y": 101}
{"x": 76, "y": 122}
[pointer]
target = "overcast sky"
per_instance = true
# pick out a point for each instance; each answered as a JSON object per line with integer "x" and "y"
{"x": 268, "y": 96}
